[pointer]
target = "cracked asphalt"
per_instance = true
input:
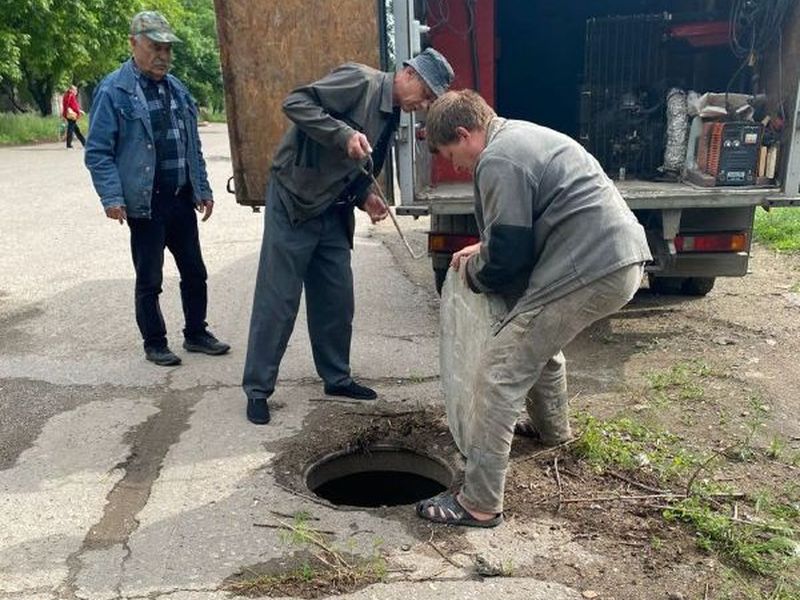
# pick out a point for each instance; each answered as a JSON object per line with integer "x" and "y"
{"x": 120, "y": 479}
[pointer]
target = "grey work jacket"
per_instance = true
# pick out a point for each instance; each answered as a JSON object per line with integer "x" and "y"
{"x": 311, "y": 161}
{"x": 551, "y": 221}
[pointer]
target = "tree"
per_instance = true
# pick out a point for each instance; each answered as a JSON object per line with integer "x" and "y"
{"x": 47, "y": 44}
{"x": 66, "y": 41}
{"x": 196, "y": 60}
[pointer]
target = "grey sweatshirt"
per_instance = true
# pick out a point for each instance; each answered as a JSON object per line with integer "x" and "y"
{"x": 551, "y": 221}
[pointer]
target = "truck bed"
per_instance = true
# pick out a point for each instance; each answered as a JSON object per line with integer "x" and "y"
{"x": 456, "y": 198}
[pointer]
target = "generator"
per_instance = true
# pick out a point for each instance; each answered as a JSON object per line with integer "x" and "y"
{"x": 728, "y": 151}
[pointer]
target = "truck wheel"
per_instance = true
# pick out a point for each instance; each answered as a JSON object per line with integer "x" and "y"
{"x": 665, "y": 285}
{"x": 439, "y": 276}
{"x": 697, "y": 286}
{"x": 689, "y": 286}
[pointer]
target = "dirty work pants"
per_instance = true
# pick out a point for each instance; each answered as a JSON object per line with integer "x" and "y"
{"x": 172, "y": 225}
{"x": 525, "y": 358}
{"x": 314, "y": 256}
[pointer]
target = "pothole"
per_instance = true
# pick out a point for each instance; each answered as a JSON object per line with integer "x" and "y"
{"x": 382, "y": 475}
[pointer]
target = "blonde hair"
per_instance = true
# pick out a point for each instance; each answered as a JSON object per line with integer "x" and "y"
{"x": 462, "y": 108}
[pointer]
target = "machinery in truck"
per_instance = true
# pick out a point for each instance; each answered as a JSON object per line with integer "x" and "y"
{"x": 691, "y": 106}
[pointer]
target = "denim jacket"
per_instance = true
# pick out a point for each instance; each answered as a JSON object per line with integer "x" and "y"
{"x": 120, "y": 150}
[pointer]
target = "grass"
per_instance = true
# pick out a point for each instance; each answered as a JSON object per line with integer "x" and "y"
{"x": 212, "y": 116}
{"x": 779, "y": 228}
{"x": 30, "y": 128}
{"x": 328, "y": 571}
{"x": 756, "y": 534}
{"x": 680, "y": 382}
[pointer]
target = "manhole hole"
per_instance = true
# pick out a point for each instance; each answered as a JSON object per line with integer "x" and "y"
{"x": 382, "y": 476}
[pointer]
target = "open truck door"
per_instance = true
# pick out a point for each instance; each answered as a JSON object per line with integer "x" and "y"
{"x": 269, "y": 48}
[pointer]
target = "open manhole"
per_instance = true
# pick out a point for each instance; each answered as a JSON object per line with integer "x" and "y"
{"x": 381, "y": 476}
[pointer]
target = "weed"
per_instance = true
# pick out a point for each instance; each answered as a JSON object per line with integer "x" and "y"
{"x": 656, "y": 543}
{"x": 630, "y": 445}
{"x": 779, "y": 228}
{"x": 766, "y": 541}
{"x": 330, "y": 570}
{"x": 680, "y": 382}
{"x": 776, "y": 448}
{"x": 766, "y": 547}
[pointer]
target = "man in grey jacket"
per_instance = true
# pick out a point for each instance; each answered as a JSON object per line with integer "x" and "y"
{"x": 340, "y": 124}
{"x": 560, "y": 246}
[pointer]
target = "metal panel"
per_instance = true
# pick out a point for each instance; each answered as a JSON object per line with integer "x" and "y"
{"x": 623, "y": 120}
{"x": 267, "y": 49}
{"x": 405, "y": 146}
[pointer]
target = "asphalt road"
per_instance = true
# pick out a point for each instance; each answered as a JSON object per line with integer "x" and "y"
{"x": 120, "y": 479}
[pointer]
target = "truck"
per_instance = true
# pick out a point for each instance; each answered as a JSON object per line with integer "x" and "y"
{"x": 691, "y": 106}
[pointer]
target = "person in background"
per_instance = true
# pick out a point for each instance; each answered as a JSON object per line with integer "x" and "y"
{"x": 71, "y": 112}
{"x": 559, "y": 245}
{"x": 338, "y": 123}
{"x": 147, "y": 166}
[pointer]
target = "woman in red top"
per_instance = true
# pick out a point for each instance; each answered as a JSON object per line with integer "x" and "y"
{"x": 71, "y": 112}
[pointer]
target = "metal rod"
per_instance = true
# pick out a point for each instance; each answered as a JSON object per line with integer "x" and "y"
{"x": 367, "y": 170}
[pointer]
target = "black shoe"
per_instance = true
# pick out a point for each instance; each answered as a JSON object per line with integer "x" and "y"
{"x": 163, "y": 357}
{"x": 258, "y": 411}
{"x": 205, "y": 343}
{"x": 351, "y": 390}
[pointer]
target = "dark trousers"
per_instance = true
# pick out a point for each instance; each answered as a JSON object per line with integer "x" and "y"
{"x": 313, "y": 255}
{"x": 174, "y": 226}
{"x": 72, "y": 128}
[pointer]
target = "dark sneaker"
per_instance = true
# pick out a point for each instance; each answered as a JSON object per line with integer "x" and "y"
{"x": 351, "y": 390}
{"x": 258, "y": 411}
{"x": 163, "y": 357}
{"x": 205, "y": 343}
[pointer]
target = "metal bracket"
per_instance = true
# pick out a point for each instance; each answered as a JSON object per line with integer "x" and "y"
{"x": 670, "y": 226}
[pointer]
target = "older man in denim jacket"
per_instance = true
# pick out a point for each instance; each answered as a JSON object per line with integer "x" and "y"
{"x": 147, "y": 166}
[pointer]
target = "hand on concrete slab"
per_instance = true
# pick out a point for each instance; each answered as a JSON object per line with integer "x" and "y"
{"x": 375, "y": 208}
{"x": 117, "y": 213}
{"x": 461, "y": 257}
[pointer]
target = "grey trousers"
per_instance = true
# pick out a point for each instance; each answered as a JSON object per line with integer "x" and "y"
{"x": 523, "y": 365}
{"x": 313, "y": 255}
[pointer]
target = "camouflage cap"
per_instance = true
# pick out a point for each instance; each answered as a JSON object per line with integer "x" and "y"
{"x": 153, "y": 25}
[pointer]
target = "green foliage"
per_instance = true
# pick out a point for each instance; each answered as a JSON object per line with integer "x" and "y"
{"x": 196, "y": 60}
{"x": 28, "y": 128}
{"x": 682, "y": 381}
{"x": 768, "y": 545}
{"x": 779, "y": 228}
{"x": 47, "y": 44}
{"x": 630, "y": 445}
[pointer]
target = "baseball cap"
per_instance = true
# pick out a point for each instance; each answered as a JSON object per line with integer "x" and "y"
{"x": 153, "y": 25}
{"x": 434, "y": 69}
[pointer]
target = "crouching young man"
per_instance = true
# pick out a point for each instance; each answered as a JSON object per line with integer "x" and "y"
{"x": 561, "y": 247}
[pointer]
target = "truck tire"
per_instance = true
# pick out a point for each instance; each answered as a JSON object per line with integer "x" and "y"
{"x": 439, "y": 275}
{"x": 697, "y": 286}
{"x": 688, "y": 286}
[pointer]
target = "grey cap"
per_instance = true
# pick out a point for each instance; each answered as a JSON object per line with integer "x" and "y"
{"x": 434, "y": 69}
{"x": 153, "y": 25}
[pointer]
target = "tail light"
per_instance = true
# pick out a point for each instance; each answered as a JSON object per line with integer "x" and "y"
{"x": 444, "y": 242}
{"x": 712, "y": 242}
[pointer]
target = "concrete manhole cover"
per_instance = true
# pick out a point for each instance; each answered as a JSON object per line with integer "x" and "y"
{"x": 381, "y": 476}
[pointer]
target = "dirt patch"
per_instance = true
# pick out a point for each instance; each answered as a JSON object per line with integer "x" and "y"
{"x": 718, "y": 375}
